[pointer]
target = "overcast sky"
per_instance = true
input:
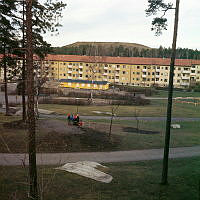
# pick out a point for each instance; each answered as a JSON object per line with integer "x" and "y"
{"x": 125, "y": 21}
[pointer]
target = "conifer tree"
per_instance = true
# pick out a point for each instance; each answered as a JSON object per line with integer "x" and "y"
{"x": 158, "y": 24}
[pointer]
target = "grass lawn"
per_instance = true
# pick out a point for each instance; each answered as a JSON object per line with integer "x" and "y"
{"x": 131, "y": 180}
{"x": 188, "y": 135}
{"x": 162, "y": 93}
{"x": 157, "y": 108}
{"x": 123, "y": 137}
{"x": 95, "y": 136}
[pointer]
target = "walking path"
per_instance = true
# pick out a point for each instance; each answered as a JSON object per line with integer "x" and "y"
{"x": 102, "y": 157}
{"x": 56, "y": 116}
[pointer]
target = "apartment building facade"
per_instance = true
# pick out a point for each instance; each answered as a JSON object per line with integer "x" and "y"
{"x": 143, "y": 72}
{"x": 134, "y": 71}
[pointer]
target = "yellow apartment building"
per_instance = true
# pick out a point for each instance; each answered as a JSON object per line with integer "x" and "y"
{"x": 134, "y": 71}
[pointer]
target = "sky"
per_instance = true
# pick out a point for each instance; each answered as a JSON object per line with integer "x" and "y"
{"x": 125, "y": 21}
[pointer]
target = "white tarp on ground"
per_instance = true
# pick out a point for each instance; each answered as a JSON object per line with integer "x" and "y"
{"x": 87, "y": 169}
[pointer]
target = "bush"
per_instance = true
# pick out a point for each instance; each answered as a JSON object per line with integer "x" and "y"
{"x": 66, "y": 101}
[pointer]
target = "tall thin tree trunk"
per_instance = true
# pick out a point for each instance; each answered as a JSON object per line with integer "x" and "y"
{"x": 5, "y": 83}
{"x": 164, "y": 180}
{"x": 23, "y": 71}
{"x": 30, "y": 101}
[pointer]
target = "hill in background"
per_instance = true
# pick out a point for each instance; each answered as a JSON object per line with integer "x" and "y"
{"x": 123, "y": 50}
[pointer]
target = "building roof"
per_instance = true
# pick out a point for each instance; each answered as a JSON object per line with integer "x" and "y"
{"x": 83, "y": 81}
{"x": 121, "y": 60}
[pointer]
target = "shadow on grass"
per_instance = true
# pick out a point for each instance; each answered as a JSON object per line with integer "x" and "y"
{"x": 139, "y": 131}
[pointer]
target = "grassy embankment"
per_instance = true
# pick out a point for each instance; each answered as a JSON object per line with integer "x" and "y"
{"x": 138, "y": 180}
{"x": 157, "y": 108}
{"x": 162, "y": 93}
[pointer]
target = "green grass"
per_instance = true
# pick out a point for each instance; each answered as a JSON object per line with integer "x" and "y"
{"x": 95, "y": 138}
{"x": 188, "y": 135}
{"x": 157, "y": 108}
{"x": 162, "y": 93}
{"x": 131, "y": 180}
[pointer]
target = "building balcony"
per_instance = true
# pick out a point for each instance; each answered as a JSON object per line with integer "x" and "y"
{"x": 69, "y": 77}
{"x": 69, "y": 72}
{"x": 80, "y": 72}
{"x": 144, "y": 76}
{"x": 80, "y": 67}
{"x": 186, "y": 72}
{"x": 118, "y": 68}
{"x": 185, "y": 77}
{"x": 185, "y": 83}
{"x": 105, "y": 74}
{"x": 69, "y": 66}
{"x": 144, "y": 70}
{"x": 105, "y": 67}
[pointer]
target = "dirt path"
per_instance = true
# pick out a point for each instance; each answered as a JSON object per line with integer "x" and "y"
{"x": 102, "y": 157}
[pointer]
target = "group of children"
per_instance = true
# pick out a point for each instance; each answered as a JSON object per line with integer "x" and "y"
{"x": 74, "y": 120}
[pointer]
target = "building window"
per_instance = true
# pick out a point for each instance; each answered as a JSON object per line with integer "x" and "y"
{"x": 124, "y": 72}
{"x": 64, "y": 74}
{"x": 138, "y": 67}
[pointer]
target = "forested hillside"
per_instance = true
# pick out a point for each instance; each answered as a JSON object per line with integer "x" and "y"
{"x": 123, "y": 50}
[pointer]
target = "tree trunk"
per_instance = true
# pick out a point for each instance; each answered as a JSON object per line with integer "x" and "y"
{"x": 23, "y": 72}
{"x": 164, "y": 180}
{"x": 5, "y": 84}
{"x": 110, "y": 129}
{"x": 30, "y": 102}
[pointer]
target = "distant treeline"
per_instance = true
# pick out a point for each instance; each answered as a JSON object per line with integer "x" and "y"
{"x": 94, "y": 50}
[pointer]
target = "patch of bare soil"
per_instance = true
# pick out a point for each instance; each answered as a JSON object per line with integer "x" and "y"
{"x": 58, "y": 136}
{"x": 18, "y": 124}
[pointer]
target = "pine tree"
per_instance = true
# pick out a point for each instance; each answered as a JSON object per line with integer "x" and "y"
{"x": 158, "y": 24}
